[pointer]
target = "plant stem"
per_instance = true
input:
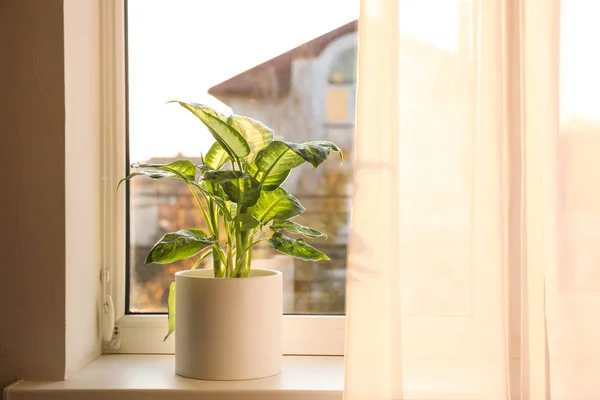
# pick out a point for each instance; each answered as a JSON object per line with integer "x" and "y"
{"x": 241, "y": 269}
{"x": 218, "y": 264}
{"x": 213, "y": 226}
{"x": 229, "y": 269}
{"x": 211, "y": 214}
{"x": 238, "y": 240}
{"x": 206, "y": 218}
{"x": 202, "y": 258}
{"x": 212, "y": 221}
{"x": 241, "y": 256}
{"x": 257, "y": 242}
{"x": 247, "y": 262}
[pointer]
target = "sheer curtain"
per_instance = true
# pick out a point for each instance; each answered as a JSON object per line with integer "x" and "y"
{"x": 474, "y": 266}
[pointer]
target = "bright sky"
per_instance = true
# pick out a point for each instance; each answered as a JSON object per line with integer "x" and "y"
{"x": 180, "y": 48}
{"x": 580, "y": 60}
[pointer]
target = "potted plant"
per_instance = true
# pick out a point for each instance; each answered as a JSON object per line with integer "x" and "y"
{"x": 228, "y": 324}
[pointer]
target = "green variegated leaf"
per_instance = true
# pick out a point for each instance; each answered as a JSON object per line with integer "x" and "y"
{"x": 247, "y": 219}
{"x": 213, "y": 188}
{"x": 150, "y": 174}
{"x": 272, "y": 181}
{"x": 216, "y": 156}
{"x": 293, "y": 227}
{"x": 203, "y": 168}
{"x": 296, "y": 248}
{"x": 280, "y": 157}
{"x": 240, "y": 187}
{"x": 180, "y": 169}
{"x": 229, "y": 138}
{"x": 330, "y": 145}
{"x": 171, "y": 303}
{"x": 277, "y": 204}
{"x": 257, "y": 134}
{"x": 232, "y": 207}
{"x": 179, "y": 245}
{"x": 184, "y": 169}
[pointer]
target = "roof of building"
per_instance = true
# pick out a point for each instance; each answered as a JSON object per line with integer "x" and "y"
{"x": 273, "y": 78}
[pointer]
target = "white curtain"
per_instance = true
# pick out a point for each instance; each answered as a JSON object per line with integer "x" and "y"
{"x": 474, "y": 266}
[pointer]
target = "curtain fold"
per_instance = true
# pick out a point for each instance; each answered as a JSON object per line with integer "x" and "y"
{"x": 474, "y": 263}
{"x": 375, "y": 244}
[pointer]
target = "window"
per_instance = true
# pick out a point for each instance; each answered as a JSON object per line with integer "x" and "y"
{"x": 341, "y": 88}
{"x": 278, "y": 69}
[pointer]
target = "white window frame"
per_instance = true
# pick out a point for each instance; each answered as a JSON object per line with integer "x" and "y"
{"x": 302, "y": 334}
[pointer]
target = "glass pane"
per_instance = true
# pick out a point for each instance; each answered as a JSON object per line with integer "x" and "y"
{"x": 343, "y": 69}
{"x": 578, "y": 144}
{"x": 267, "y": 59}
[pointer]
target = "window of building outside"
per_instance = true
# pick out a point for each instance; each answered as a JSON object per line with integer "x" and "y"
{"x": 340, "y": 101}
{"x": 291, "y": 65}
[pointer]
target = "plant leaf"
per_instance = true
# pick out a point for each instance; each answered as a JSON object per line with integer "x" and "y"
{"x": 293, "y": 227}
{"x": 240, "y": 187}
{"x": 232, "y": 208}
{"x": 184, "y": 169}
{"x": 229, "y": 138}
{"x": 248, "y": 220}
{"x": 296, "y": 248}
{"x": 277, "y": 204}
{"x": 179, "y": 169}
{"x": 216, "y": 156}
{"x": 257, "y": 134}
{"x": 279, "y": 156}
{"x": 331, "y": 145}
{"x": 219, "y": 253}
{"x": 272, "y": 181}
{"x": 282, "y": 156}
{"x": 150, "y": 174}
{"x": 171, "y": 303}
{"x": 179, "y": 245}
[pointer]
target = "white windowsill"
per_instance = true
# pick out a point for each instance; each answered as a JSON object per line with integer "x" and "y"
{"x": 152, "y": 377}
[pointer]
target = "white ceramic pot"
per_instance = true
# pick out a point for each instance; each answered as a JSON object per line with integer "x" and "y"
{"x": 228, "y": 329}
{"x": 285, "y": 265}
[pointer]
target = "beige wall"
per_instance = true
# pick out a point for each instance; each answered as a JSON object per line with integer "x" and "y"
{"x": 50, "y": 196}
{"x": 32, "y": 199}
{"x": 82, "y": 185}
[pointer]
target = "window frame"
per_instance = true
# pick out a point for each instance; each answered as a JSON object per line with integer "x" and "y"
{"x": 302, "y": 334}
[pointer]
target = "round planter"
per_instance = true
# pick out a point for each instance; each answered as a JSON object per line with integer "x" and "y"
{"x": 228, "y": 329}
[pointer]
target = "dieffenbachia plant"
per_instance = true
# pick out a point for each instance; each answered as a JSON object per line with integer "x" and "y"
{"x": 240, "y": 182}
